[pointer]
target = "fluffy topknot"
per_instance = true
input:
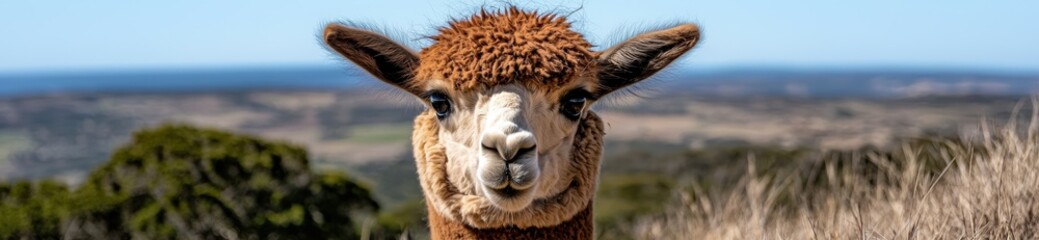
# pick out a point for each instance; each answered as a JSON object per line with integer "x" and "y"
{"x": 502, "y": 47}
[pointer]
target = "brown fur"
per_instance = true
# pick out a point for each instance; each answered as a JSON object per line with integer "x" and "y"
{"x": 498, "y": 48}
{"x": 578, "y": 227}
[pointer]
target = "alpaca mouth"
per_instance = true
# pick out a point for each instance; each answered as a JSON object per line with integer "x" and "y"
{"x": 509, "y": 198}
{"x": 510, "y": 186}
{"x": 511, "y": 179}
{"x": 517, "y": 176}
{"x": 507, "y": 192}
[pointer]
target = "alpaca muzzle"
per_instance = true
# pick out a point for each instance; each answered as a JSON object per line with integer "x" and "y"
{"x": 507, "y": 168}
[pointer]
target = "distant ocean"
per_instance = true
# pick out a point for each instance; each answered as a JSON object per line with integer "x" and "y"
{"x": 734, "y": 82}
{"x": 178, "y": 80}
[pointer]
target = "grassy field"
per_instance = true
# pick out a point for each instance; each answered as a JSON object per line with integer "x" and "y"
{"x": 10, "y": 143}
{"x": 375, "y": 134}
{"x": 984, "y": 189}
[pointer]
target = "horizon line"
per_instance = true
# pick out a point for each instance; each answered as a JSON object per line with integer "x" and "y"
{"x": 680, "y": 69}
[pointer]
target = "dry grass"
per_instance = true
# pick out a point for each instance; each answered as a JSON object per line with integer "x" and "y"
{"x": 989, "y": 189}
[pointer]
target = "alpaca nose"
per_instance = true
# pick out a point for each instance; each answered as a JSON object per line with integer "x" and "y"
{"x": 509, "y": 142}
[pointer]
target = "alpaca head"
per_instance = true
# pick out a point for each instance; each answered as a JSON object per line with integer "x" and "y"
{"x": 508, "y": 89}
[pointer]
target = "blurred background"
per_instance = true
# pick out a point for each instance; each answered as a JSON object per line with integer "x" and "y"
{"x": 778, "y": 80}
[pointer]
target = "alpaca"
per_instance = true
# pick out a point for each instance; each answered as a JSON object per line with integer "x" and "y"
{"x": 507, "y": 147}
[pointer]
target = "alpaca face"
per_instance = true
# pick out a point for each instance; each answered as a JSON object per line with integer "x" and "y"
{"x": 509, "y": 89}
{"x": 510, "y": 144}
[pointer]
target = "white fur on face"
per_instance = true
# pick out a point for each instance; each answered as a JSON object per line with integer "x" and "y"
{"x": 509, "y": 145}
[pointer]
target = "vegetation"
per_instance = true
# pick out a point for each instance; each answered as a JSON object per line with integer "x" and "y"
{"x": 178, "y": 182}
{"x": 33, "y": 210}
{"x": 11, "y": 142}
{"x": 981, "y": 189}
{"x": 375, "y": 134}
{"x": 630, "y": 191}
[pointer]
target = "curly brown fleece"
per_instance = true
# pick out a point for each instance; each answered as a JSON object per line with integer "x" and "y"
{"x": 498, "y": 48}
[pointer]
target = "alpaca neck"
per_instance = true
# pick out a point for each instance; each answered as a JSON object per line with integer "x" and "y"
{"x": 580, "y": 226}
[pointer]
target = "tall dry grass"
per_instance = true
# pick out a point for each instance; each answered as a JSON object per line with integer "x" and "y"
{"x": 987, "y": 189}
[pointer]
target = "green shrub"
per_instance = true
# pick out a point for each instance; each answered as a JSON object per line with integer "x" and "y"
{"x": 177, "y": 182}
{"x": 33, "y": 210}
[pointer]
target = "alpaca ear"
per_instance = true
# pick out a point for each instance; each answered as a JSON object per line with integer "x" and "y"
{"x": 375, "y": 53}
{"x": 642, "y": 56}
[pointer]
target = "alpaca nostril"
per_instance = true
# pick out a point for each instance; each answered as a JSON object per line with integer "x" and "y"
{"x": 494, "y": 150}
{"x": 508, "y": 143}
{"x": 508, "y": 156}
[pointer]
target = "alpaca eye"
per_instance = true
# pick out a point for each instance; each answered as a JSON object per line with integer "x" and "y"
{"x": 572, "y": 104}
{"x": 440, "y": 104}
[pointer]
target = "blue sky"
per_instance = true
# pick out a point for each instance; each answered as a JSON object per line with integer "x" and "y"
{"x": 45, "y": 35}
